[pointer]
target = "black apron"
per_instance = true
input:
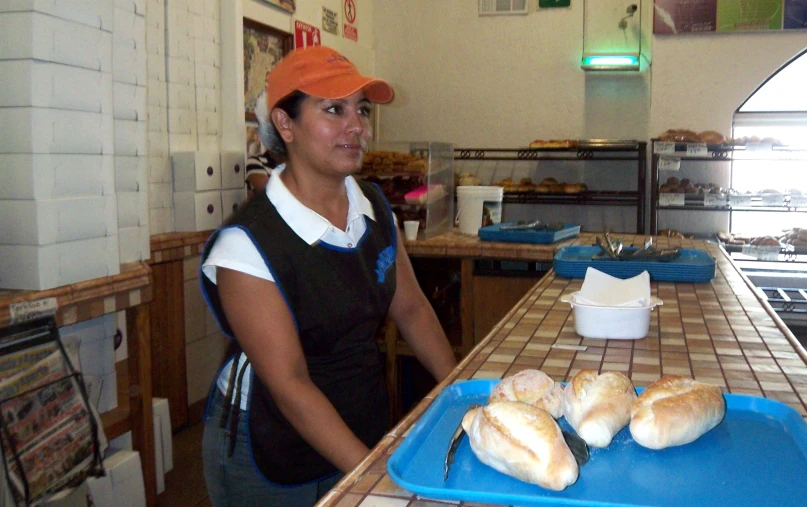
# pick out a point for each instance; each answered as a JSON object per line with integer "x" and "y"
{"x": 338, "y": 298}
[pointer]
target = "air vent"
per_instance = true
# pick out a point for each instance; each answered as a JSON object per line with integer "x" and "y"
{"x": 502, "y": 7}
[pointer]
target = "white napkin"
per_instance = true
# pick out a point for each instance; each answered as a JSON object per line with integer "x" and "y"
{"x": 602, "y": 289}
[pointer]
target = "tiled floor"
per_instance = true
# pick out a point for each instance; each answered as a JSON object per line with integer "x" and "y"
{"x": 185, "y": 484}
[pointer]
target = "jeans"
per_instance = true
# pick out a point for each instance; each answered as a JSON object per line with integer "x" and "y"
{"x": 235, "y": 480}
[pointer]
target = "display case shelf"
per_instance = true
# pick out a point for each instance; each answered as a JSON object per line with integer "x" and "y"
{"x": 584, "y": 151}
{"x": 718, "y": 154}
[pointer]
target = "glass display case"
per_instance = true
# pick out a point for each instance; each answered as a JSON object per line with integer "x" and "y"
{"x": 418, "y": 180}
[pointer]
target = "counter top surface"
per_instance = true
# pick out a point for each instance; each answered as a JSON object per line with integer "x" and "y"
{"x": 718, "y": 332}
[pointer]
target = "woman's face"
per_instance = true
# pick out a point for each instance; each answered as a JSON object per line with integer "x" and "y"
{"x": 331, "y": 135}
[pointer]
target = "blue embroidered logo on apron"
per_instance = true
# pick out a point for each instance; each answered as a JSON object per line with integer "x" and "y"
{"x": 385, "y": 259}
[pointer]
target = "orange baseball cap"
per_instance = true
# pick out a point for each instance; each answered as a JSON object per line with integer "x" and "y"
{"x": 321, "y": 72}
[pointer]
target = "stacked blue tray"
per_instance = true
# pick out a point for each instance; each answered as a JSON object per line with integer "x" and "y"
{"x": 494, "y": 233}
{"x": 695, "y": 266}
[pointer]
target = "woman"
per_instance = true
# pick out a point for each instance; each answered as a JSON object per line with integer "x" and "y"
{"x": 302, "y": 277}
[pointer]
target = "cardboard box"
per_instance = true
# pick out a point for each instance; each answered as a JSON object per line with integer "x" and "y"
{"x": 101, "y": 491}
{"x": 49, "y": 221}
{"x": 126, "y": 474}
{"x": 129, "y": 65}
{"x": 196, "y": 171}
{"x": 133, "y": 209}
{"x": 30, "y": 35}
{"x": 45, "y": 267}
{"x": 131, "y": 138}
{"x": 58, "y": 131}
{"x": 130, "y": 29}
{"x": 33, "y": 176}
{"x": 30, "y": 83}
{"x": 162, "y": 409}
{"x": 231, "y": 201}
{"x": 197, "y": 211}
{"x": 134, "y": 244}
{"x": 179, "y": 71}
{"x": 136, "y": 6}
{"x": 129, "y": 102}
{"x": 233, "y": 168}
{"x": 94, "y": 13}
{"x": 208, "y": 123}
{"x": 131, "y": 174}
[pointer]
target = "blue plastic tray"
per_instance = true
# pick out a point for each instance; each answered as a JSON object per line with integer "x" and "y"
{"x": 756, "y": 456}
{"x": 694, "y": 266}
{"x": 494, "y": 233}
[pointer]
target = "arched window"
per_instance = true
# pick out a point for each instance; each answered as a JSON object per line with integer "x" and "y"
{"x": 776, "y": 113}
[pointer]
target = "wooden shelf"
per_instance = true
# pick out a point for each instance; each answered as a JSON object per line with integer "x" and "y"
{"x": 129, "y": 291}
{"x": 116, "y": 421}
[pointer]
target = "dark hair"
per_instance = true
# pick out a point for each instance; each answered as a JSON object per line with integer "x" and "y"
{"x": 291, "y": 105}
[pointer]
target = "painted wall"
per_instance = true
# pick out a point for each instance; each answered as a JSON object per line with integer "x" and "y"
{"x": 504, "y": 81}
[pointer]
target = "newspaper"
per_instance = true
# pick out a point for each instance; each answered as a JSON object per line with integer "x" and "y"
{"x": 48, "y": 437}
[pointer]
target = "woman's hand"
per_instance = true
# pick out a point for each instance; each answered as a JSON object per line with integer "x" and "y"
{"x": 265, "y": 328}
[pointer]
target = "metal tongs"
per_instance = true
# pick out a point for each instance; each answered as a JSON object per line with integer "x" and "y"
{"x": 613, "y": 250}
{"x": 576, "y": 444}
{"x": 535, "y": 225}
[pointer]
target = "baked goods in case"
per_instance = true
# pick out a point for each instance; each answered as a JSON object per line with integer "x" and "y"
{"x": 532, "y": 387}
{"x": 553, "y": 143}
{"x": 675, "y": 410}
{"x": 598, "y": 405}
{"x": 521, "y": 441}
{"x": 711, "y": 137}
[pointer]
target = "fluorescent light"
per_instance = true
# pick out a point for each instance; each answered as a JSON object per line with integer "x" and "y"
{"x": 610, "y": 62}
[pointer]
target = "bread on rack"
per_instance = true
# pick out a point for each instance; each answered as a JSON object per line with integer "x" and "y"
{"x": 574, "y": 188}
{"x": 553, "y": 143}
{"x": 711, "y": 137}
{"x": 674, "y": 411}
{"x": 598, "y": 405}
{"x": 521, "y": 441}
{"x": 679, "y": 136}
{"x": 532, "y": 387}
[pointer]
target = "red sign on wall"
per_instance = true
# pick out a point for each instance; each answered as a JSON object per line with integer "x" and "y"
{"x": 306, "y": 35}
{"x": 351, "y": 32}
{"x": 350, "y": 11}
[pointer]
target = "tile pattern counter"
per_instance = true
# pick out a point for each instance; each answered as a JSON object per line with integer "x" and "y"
{"x": 718, "y": 332}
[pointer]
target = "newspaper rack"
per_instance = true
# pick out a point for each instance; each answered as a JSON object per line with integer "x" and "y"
{"x": 49, "y": 436}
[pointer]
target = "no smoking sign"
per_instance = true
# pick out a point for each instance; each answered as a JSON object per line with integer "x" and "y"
{"x": 350, "y": 11}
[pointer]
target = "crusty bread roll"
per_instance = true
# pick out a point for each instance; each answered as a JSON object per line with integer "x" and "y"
{"x": 675, "y": 410}
{"x": 542, "y": 189}
{"x": 549, "y": 181}
{"x": 598, "y": 405}
{"x": 711, "y": 136}
{"x": 532, "y": 387}
{"x": 521, "y": 441}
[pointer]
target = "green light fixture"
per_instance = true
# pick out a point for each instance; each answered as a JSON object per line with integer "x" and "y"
{"x": 610, "y": 62}
{"x": 612, "y": 35}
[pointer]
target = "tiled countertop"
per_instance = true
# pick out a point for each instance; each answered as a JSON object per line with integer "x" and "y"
{"x": 718, "y": 332}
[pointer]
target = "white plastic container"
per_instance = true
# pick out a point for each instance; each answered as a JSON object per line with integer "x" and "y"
{"x": 611, "y": 322}
{"x": 478, "y": 207}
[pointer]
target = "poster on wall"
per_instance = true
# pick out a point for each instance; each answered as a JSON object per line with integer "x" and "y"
{"x": 795, "y": 14}
{"x": 286, "y": 5}
{"x": 263, "y": 48}
{"x": 686, "y": 16}
{"x": 677, "y": 16}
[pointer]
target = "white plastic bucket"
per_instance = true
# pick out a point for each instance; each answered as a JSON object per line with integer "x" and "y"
{"x": 478, "y": 207}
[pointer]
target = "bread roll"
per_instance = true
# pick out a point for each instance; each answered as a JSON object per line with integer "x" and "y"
{"x": 675, "y": 411}
{"x": 549, "y": 181}
{"x": 521, "y": 441}
{"x": 712, "y": 137}
{"x": 532, "y": 387}
{"x": 598, "y": 405}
